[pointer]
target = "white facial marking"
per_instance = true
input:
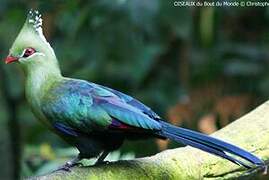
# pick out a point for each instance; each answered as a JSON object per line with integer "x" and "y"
{"x": 22, "y": 59}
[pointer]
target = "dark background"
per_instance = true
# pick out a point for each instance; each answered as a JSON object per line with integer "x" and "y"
{"x": 200, "y": 68}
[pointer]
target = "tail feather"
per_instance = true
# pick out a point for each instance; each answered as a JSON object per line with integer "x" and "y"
{"x": 207, "y": 149}
{"x": 208, "y": 144}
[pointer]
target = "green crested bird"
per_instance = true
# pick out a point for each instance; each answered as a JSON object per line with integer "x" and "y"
{"x": 93, "y": 118}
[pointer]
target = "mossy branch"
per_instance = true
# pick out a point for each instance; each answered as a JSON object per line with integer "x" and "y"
{"x": 250, "y": 132}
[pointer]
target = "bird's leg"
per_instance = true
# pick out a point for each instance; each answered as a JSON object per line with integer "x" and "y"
{"x": 101, "y": 158}
{"x": 71, "y": 163}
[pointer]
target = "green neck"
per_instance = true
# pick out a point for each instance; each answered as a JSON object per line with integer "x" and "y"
{"x": 39, "y": 78}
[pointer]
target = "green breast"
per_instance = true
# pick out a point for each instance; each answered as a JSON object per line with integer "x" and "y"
{"x": 37, "y": 85}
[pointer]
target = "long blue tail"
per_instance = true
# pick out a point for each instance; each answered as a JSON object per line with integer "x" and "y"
{"x": 208, "y": 144}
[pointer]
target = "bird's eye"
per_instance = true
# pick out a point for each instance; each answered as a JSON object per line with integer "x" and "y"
{"x": 28, "y": 52}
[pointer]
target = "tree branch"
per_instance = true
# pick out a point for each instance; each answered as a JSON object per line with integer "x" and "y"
{"x": 250, "y": 132}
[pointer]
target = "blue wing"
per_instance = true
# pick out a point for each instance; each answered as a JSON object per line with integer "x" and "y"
{"x": 87, "y": 107}
{"x": 133, "y": 102}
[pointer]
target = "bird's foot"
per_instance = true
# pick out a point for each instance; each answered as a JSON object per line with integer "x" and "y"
{"x": 101, "y": 163}
{"x": 69, "y": 164}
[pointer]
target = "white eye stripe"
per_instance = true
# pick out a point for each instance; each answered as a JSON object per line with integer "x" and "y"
{"x": 32, "y": 55}
{"x": 38, "y": 53}
{"x": 35, "y": 54}
{"x": 23, "y": 52}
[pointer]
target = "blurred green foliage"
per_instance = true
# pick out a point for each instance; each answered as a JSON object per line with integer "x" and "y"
{"x": 149, "y": 49}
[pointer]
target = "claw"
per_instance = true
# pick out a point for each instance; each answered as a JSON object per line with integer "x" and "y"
{"x": 101, "y": 163}
{"x": 65, "y": 167}
{"x": 69, "y": 164}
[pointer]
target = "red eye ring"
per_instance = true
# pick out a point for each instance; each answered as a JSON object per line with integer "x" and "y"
{"x": 28, "y": 52}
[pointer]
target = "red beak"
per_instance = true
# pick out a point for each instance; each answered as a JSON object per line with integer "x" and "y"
{"x": 11, "y": 59}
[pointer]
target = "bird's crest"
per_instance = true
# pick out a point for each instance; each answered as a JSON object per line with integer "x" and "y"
{"x": 32, "y": 29}
{"x": 34, "y": 19}
{"x": 34, "y": 22}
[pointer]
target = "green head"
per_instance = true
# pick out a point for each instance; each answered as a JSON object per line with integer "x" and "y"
{"x": 31, "y": 49}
